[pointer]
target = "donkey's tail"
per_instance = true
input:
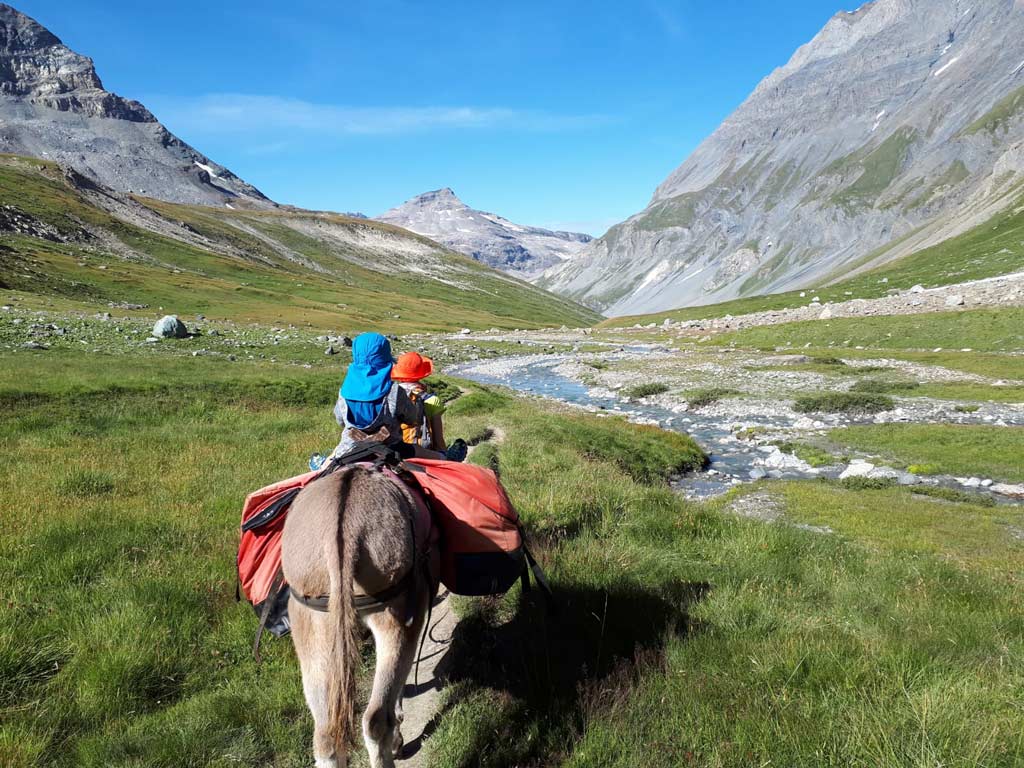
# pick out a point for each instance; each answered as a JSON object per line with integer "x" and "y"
{"x": 341, "y": 550}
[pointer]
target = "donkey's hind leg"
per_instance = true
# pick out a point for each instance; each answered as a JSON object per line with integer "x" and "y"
{"x": 310, "y": 634}
{"x": 396, "y": 649}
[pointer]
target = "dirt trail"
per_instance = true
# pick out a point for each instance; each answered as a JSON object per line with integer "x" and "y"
{"x": 422, "y": 701}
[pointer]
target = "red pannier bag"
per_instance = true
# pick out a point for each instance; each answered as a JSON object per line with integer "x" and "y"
{"x": 259, "y": 551}
{"x": 482, "y": 548}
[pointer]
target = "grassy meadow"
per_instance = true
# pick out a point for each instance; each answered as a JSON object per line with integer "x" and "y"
{"x": 682, "y": 634}
{"x": 283, "y": 266}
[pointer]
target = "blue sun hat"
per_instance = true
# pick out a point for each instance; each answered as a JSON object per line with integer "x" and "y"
{"x": 368, "y": 379}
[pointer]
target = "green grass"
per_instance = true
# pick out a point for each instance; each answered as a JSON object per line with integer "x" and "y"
{"x": 1005, "y": 110}
{"x": 812, "y": 454}
{"x": 885, "y": 386}
{"x": 953, "y": 495}
{"x": 967, "y": 390}
{"x": 645, "y": 390}
{"x": 955, "y": 449}
{"x": 843, "y": 402}
{"x": 986, "y": 330}
{"x": 681, "y": 635}
{"x": 252, "y": 278}
{"x": 879, "y": 167}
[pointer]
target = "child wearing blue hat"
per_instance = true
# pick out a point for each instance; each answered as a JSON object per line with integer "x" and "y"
{"x": 369, "y": 406}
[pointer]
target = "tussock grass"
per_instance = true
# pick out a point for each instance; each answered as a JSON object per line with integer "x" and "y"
{"x": 648, "y": 389}
{"x": 843, "y": 402}
{"x": 701, "y": 398}
{"x": 884, "y": 386}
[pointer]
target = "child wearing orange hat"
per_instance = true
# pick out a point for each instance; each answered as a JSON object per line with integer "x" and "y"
{"x": 408, "y": 372}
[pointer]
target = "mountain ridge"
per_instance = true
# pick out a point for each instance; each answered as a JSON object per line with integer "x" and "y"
{"x": 53, "y": 105}
{"x": 872, "y": 137}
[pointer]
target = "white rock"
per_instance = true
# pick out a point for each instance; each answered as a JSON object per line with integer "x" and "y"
{"x": 956, "y": 300}
{"x": 917, "y": 289}
{"x": 857, "y": 468}
{"x": 1008, "y": 489}
{"x": 465, "y": 331}
{"x": 986, "y": 483}
{"x": 972, "y": 482}
{"x": 826, "y": 314}
{"x": 757, "y": 473}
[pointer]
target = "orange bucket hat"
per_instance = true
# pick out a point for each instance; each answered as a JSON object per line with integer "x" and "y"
{"x": 412, "y": 366}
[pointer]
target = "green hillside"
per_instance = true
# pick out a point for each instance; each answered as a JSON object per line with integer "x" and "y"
{"x": 62, "y": 240}
{"x": 990, "y": 249}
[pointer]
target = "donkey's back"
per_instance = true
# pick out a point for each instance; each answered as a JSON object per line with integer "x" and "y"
{"x": 350, "y": 535}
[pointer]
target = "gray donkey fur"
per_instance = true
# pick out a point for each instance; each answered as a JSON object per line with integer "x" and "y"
{"x": 349, "y": 534}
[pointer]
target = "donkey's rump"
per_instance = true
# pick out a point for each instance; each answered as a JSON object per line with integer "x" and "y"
{"x": 383, "y": 517}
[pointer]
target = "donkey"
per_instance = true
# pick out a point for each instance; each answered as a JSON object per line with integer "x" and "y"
{"x": 357, "y": 536}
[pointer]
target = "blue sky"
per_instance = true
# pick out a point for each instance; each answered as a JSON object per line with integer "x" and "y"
{"x": 557, "y": 114}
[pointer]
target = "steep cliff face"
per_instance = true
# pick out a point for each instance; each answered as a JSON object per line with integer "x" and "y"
{"x": 898, "y": 125}
{"x": 53, "y": 105}
{"x": 486, "y": 237}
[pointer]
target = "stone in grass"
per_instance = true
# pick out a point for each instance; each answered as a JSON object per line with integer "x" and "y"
{"x": 955, "y": 300}
{"x": 330, "y": 351}
{"x": 857, "y": 468}
{"x": 1008, "y": 489}
{"x": 170, "y": 327}
{"x": 34, "y": 345}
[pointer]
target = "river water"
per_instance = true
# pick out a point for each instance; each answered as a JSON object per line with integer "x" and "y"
{"x": 732, "y": 460}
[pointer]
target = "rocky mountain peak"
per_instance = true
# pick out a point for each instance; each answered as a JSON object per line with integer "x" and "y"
{"x": 486, "y": 237}
{"x": 445, "y": 197}
{"x": 37, "y": 66}
{"x": 53, "y": 106}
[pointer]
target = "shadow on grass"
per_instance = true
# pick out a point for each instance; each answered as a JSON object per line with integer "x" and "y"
{"x": 554, "y": 667}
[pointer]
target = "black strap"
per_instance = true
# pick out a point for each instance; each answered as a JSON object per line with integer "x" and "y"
{"x": 538, "y": 573}
{"x": 363, "y": 603}
{"x": 268, "y": 605}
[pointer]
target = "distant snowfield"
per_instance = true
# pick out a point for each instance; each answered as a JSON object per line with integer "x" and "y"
{"x": 208, "y": 169}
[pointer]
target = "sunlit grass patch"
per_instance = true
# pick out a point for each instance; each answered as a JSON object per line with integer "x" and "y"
{"x": 957, "y": 449}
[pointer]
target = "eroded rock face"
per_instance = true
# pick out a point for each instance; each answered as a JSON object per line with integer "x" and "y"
{"x": 53, "y": 106}
{"x": 486, "y": 237}
{"x": 901, "y": 123}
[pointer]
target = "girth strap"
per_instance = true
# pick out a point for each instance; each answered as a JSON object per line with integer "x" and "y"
{"x": 364, "y": 604}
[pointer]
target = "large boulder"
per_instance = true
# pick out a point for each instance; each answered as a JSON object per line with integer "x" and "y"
{"x": 170, "y": 327}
